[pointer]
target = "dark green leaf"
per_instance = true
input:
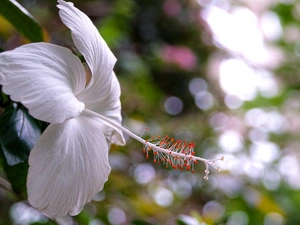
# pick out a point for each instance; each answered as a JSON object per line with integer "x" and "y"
{"x": 43, "y": 223}
{"x": 17, "y": 176}
{"x": 18, "y": 134}
{"x": 21, "y": 19}
{"x": 180, "y": 222}
{"x": 4, "y": 99}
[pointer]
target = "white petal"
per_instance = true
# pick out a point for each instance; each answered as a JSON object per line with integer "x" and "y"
{"x": 109, "y": 107}
{"x": 115, "y": 115}
{"x": 108, "y": 102}
{"x": 92, "y": 46}
{"x": 45, "y": 78}
{"x": 68, "y": 166}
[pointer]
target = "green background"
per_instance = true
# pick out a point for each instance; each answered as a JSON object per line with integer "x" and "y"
{"x": 139, "y": 192}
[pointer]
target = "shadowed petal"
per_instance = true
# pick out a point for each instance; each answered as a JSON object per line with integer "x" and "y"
{"x": 92, "y": 46}
{"x": 111, "y": 108}
{"x": 45, "y": 78}
{"x": 68, "y": 166}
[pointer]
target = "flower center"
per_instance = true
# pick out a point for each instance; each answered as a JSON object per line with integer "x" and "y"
{"x": 88, "y": 73}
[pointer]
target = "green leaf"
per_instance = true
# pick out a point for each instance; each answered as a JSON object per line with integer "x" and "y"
{"x": 180, "y": 222}
{"x": 17, "y": 176}
{"x": 49, "y": 222}
{"x": 21, "y": 19}
{"x": 18, "y": 134}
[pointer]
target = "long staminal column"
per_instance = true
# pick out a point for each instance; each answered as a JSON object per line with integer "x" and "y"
{"x": 178, "y": 154}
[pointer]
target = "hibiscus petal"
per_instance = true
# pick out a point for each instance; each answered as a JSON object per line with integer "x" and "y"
{"x": 45, "y": 78}
{"x": 68, "y": 166}
{"x": 92, "y": 46}
{"x": 109, "y": 107}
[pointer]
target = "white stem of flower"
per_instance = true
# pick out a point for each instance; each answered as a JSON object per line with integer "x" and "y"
{"x": 115, "y": 125}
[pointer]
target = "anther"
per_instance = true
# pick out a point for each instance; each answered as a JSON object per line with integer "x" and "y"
{"x": 176, "y": 154}
{"x": 143, "y": 131}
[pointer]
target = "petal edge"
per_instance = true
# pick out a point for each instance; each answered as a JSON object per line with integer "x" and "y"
{"x": 91, "y": 45}
{"x": 68, "y": 166}
{"x": 45, "y": 78}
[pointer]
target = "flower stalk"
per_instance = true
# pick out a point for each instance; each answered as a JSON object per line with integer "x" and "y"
{"x": 177, "y": 154}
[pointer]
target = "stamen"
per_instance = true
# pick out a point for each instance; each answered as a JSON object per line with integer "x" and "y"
{"x": 144, "y": 131}
{"x": 176, "y": 154}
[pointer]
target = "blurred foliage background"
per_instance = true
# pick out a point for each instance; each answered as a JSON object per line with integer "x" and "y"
{"x": 223, "y": 74}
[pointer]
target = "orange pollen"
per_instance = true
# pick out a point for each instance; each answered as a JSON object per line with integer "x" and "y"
{"x": 178, "y": 154}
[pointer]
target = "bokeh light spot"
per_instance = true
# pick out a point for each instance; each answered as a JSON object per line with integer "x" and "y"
{"x": 182, "y": 188}
{"x": 204, "y": 100}
{"x": 274, "y": 219}
{"x": 238, "y": 79}
{"x": 264, "y": 151}
{"x": 219, "y": 121}
{"x": 289, "y": 168}
{"x": 24, "y": 214}
{"x": 96, "y": 222}
{"x": 116, "y": 216}
{"x": 173, "y": 105}
{"x": 271, "y": 26}
{"x": 267, "y": 85}
{"x": 144, "y": 173}
{"x": 99, "y": 196}
{"x": 197, "y": 85}
{"x": 163, "y": 196}
{"x": 258, "y": 135}
{"x": 238, "y": 218}
{"x": 271, "y": 180}
{"x": 271, "y": 121}
{"x": 231, "y": 141}
{"x": 233, "y": 102}
{"x": 213, "y": 210}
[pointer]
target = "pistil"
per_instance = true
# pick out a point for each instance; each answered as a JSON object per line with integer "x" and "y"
{"x": 178, "y": 154}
